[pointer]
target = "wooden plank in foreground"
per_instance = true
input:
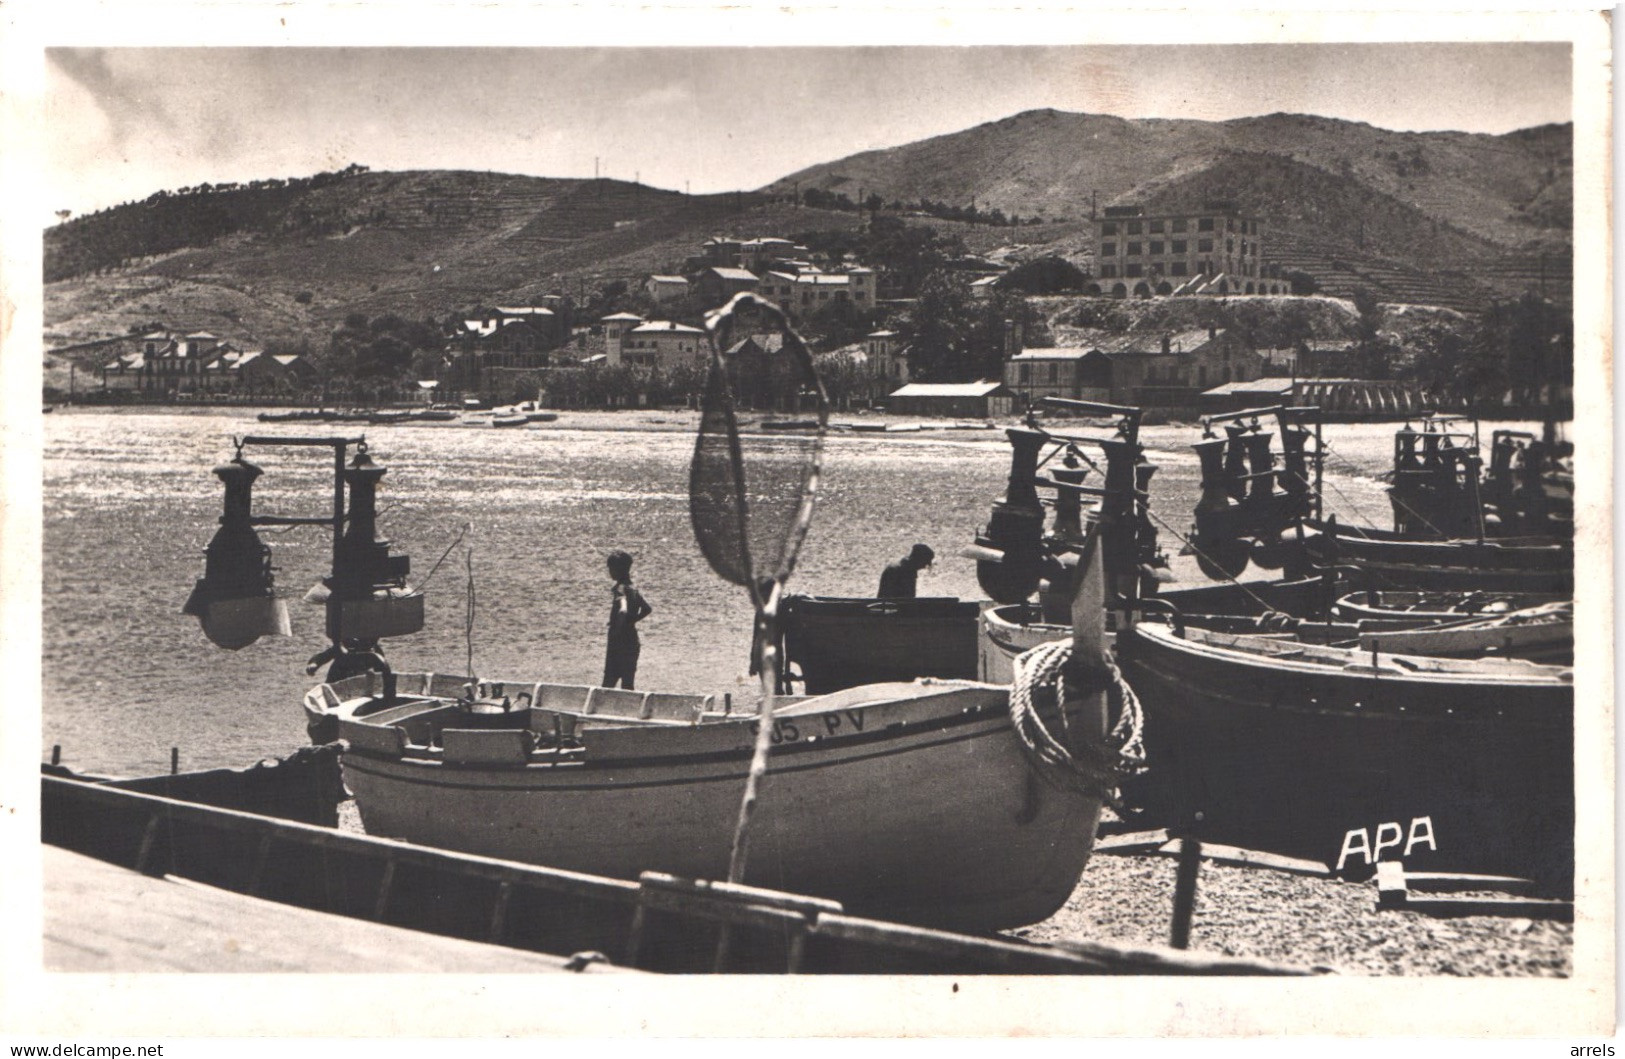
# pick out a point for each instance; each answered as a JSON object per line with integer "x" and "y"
{"x": 1395, "y": 886}
{"x": 106, "y": 919}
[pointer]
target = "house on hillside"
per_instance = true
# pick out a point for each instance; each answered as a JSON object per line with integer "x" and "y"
{"x": 1075, "y": 373}
{"x": 720, "y": 250}
{"x": 127, "y": 371}
{"x": 804, "y": 293}
{"x": 887, "y": 359}
{"x": 166, "y": 363}
{"x": 1216, "y": 250}
{"x": 662, "y": 344}
{"x": 257, "y": 372}
{"x": 1172, "y": 368}
{"x": 716, "y": 285}
{"x": 509, "y": 339}
{"x": 986, "y": 399}
{"x": 615, "y": 326}
{"x": 662, "y": 289}
{"x": 511, "y": 329}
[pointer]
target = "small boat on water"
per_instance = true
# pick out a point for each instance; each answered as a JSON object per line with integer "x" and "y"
{"x": 296, "y": 415}
{"x": 515, "y": 420}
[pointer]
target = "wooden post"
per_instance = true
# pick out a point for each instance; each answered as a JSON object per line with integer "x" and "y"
{"x": 56, "y": 754}
{"x": 1190, "y": 864}
{"x": 174, "y": 760}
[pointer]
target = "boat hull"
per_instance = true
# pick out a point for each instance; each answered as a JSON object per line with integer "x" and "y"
{"x": 1293, "y": 757}
{"x": 840, "y": 643}
{"x": 917, "y": 805}
{"x": 1394, "y": 561}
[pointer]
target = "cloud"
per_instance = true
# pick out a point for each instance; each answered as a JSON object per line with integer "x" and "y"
{"x": 129, "y": 112}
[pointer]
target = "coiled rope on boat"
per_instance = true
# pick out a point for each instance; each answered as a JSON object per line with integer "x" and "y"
{"x": 1098, "y": 767}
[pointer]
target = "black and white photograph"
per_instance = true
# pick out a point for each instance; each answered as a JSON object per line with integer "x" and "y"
{"x": 1082, "y": 526}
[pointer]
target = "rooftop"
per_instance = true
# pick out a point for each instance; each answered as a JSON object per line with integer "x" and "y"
{"x": 1056, "y": 353}
{"x": 666, "y": 327}
{"x": 948, "y": 389}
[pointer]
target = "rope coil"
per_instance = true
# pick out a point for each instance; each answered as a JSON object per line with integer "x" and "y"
{"x": 1098, "y": 768}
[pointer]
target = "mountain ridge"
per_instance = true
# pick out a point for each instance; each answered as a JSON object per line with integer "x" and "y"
{"x": 1453, "y": 217}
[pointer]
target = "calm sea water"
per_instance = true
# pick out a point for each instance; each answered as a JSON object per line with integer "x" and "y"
{"x": 130, "y": 504}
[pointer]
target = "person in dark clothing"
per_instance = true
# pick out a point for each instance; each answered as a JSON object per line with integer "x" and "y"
{"x": 627, "y": 607}
{"x": 897, "y": 580}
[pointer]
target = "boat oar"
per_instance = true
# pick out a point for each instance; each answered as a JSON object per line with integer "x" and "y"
{"x": 751, "y": 509}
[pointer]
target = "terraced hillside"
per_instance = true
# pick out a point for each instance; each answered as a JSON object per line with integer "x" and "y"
{"x": 1447, "y": 219}
{"x": 264, "y": 263}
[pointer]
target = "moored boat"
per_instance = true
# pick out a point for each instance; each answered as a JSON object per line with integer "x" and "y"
{"x": 992, "y": 831}
{"x": 1394, "y": 560}
{"x": 839, "y": 642}
{"x": 1295, "y": 747}
{"x": 1434, "y": 607}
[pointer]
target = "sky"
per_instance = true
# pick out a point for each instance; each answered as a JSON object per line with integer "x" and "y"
{"x": 121, "y": 123}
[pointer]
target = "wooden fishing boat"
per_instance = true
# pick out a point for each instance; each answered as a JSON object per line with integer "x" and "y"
{"x": 1426, "y": 608}
{"x": 1325, "y": 752}
{"x": 1395, "y": 560}
{"x": 839, "y": 642}
{"x": 276, "y": 869}
{"x": 1542, "y": 633}
{"x": 518, "y": 419}
{"x": 914, "y": 801}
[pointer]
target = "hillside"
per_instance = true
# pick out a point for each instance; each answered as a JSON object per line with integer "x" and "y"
{"x": 1439, "y": 218}
{"x": 1512, "y": 191}
{"x": 266, "y": 264}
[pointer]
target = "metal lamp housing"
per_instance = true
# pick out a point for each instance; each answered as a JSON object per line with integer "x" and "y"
{"x": 236, "y": 598}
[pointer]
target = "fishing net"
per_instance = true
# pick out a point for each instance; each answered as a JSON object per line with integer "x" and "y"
{"x": 751, "y": 492}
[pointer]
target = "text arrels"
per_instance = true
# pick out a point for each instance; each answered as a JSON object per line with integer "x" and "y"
{"x": 1389, "y": 836}
{"x": 1601, "y": 1050}
{"x": 812, "y": 727}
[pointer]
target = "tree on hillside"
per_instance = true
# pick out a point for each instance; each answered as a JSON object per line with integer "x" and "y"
{"x": 1046, "y": 275}
{"x": 1377, "y": 351}
{"x": 954, "y": 337}
{"x": 1455, "y": 367}
{"x": 837, "y": 324}
{"x": 936, "y": 333}
{"x": 1534, "y": 339}
{"x": 1302, "y": 283}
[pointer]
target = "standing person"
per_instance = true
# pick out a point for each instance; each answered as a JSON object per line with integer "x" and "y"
{"x": 897, "y": 580}
{"x": 627, "y": 607}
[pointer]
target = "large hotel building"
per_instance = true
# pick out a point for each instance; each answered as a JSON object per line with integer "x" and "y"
{"x": 1218, "y": 250}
